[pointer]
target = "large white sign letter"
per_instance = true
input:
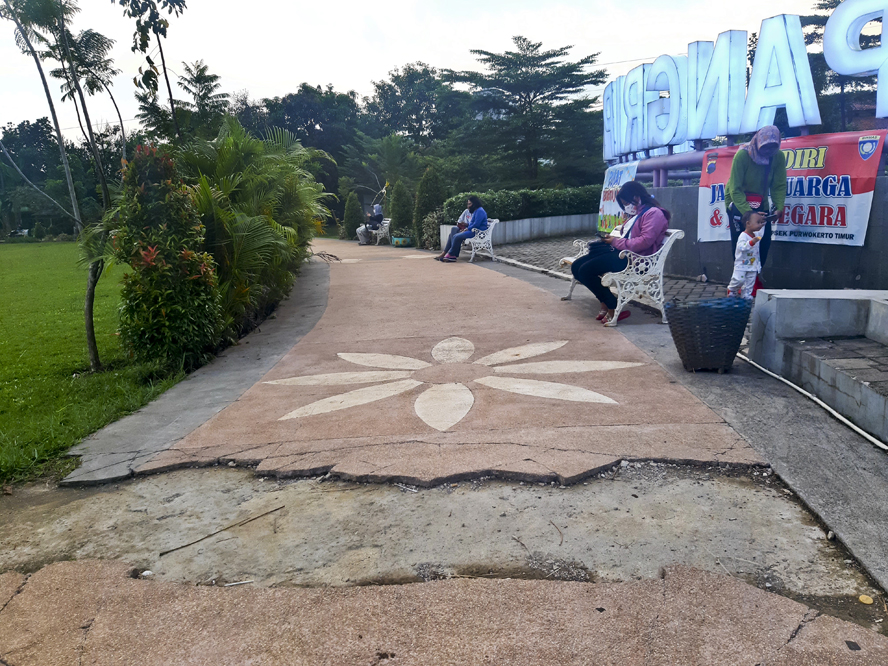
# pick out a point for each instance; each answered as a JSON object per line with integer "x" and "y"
{"x": 781, "y": 76}
{"x": 667, "y": 121}
{"x": 841, "y": 45}
{"x": 716, "y": 85}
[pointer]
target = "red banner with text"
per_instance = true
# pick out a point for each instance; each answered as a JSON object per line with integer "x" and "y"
{"x": 830, "y": 180}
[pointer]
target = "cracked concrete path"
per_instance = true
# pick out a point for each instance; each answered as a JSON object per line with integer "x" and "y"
{"x": 626, "y": 526}
{"x": 94, "y": 613}
{"x": 121, "y": 447}
{"x": 424, "y": 372}
{"x": 839, "y": 475}
{"x": 521, "y": 387}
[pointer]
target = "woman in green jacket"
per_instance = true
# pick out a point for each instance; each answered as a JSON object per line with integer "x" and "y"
{"x": 757, "y": 172}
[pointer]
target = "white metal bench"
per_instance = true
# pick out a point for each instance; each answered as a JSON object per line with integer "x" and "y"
{"x": 641, "y": 280}
{"x": 483, "y": 240}
{"x": 383, "y": 231}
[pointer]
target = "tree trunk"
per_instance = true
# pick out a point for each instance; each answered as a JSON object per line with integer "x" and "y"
{"x": 93, "y": 275}
{"x": 120, "y": 118}
{"x": 79, "y": 120}
{"x": 55, "y": 119}
{"x": 95, "y": 268}
{"x": 169, "y": 87}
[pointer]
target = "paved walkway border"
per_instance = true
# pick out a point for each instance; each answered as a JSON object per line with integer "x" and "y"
{"x": 116, "y": 450}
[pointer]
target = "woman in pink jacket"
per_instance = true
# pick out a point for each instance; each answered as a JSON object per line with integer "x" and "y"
{"x": 643, "y": 234}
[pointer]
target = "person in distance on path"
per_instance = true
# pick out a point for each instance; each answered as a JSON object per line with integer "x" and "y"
{"x": 477, "y": 222}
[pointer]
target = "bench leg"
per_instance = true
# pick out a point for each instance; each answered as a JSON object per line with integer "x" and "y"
{"x": 660, "y": 300}
{"x": 621, "y": 303}
{"x": 472, "y": 258}
{"x": 573, "y": 283}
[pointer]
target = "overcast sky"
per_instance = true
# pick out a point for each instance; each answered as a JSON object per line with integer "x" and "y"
{"x": 269, "y": 47}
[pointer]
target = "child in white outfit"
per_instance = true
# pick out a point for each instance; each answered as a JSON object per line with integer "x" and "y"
{"x": 747, "y": 262}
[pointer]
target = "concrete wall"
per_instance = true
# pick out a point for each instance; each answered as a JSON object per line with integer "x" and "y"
{"x": 877, "y": 325}
{"x": 518, "y": 231}
{"x": 788, "y": 328}
{"x": 790, "y": 265}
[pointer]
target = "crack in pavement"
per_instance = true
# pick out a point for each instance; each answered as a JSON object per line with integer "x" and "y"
{"x": 82, "y": 646}
{"x": 649, "y": 653}
{"x": 204, "y": 451}
{"x": 809, "y": 617}
{"x": 16, "y": 593}
{"x": 20, "y": 589}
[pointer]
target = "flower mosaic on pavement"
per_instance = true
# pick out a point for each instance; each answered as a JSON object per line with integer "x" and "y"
{"x": 448, "y": 399}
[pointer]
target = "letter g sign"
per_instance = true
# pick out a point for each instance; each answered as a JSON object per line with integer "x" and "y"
{"x": 841, "y": 45}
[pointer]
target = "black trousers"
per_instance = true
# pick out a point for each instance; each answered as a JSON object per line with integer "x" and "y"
{"x": 588, "y": 271}
{"x": 737, "y": 228}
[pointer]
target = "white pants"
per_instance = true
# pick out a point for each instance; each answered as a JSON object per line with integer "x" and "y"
{"x": 364, "y": 234}
{"x": 742, "y": 283}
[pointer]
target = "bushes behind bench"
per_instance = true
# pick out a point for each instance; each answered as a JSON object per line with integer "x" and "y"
{"x": 521, "y": 204}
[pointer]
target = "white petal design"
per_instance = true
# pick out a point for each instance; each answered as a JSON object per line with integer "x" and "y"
{"x": 354, "y": 398}
{"x": 560, "y": 367}
{"x": 521, "y": 353}
{"x": 544, "y": 389}
{"x": 442, "y": 406}
{"x": 387, "y": 361}
{"x": 453, "y": 350}
{"x": 342, "y": 378}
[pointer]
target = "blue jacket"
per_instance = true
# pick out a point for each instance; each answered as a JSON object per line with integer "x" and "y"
{"x": 479, "y": 220}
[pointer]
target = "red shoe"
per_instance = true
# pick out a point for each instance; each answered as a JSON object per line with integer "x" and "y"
{"x": 758, "y": 285}
{"x": 623, "y": 315}
{"x": 601, "y": 315}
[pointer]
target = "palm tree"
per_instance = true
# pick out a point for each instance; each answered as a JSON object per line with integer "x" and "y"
{"x": 46, "y": 21}
{"x": 260, "y": 207}
{"x": 89, "y": 51}
{"x": 153, "y": 116}
{"x": 17, "y": 14}
{"x": 203, "y": 87}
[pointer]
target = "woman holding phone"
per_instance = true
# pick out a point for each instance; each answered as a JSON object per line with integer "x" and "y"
{"x": 644, "y": 234}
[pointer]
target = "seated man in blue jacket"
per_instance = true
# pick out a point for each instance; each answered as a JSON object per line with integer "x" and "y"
{"x": 477, "y": 222}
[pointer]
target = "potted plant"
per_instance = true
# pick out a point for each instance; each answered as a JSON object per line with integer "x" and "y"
{"x": 401, "y": 238}
{"x": 402, "y": 215}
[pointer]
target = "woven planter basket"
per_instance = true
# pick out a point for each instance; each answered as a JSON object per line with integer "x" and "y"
{"x": 708, "y": 333}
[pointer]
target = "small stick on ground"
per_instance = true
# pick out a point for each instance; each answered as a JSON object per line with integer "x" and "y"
{"x": 522, "y": 544}
{"x": 243, "y": 522}
{"x": 559, "y": 532}
{"x": 717, "y": 560}
{"x": 243, "y": 582}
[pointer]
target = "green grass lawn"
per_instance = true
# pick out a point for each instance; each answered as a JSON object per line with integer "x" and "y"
{"x": 48, "y": 398}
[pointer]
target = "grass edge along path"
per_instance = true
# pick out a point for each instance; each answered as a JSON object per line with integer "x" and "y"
{"x": 49, "y": 400}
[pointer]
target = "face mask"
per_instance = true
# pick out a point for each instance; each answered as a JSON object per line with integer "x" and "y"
{"x": 629, "y": 209}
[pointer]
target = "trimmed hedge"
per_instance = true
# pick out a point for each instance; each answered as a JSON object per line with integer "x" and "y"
{"x": 521, "y": 204}
{"x": 401, "y": 212}
{"x": 352, "y": 219}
